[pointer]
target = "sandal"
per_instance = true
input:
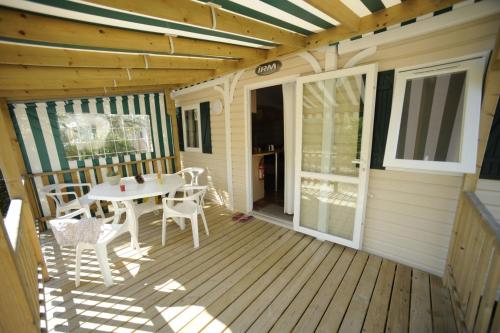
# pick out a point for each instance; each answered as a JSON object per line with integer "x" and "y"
{"x": 237, "y": 216}
{"x": 245, "y": 218}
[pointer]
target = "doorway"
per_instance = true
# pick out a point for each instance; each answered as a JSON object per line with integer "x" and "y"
{"x": 269, "y": 150}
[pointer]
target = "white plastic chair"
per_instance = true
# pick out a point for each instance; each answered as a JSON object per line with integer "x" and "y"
{"x": 57, "y": 191}
{"x": 193, "y": 172}
{"x": 108, "y": 233}
{"x": 186, "y": 207}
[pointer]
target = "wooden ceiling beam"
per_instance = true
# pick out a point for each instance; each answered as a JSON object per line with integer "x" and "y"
{"x": 43, "y": 94}
{"x": 13, "y": 77}
{"x": 27, "y": 26}
{"x": 18, "y": 54}
{"x": 339, "y": 11}
{"x": 190, "y": 12}
{"x": 405, "y": 11}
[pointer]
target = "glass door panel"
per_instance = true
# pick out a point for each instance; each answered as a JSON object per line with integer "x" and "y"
{"x": 335, "y": 113}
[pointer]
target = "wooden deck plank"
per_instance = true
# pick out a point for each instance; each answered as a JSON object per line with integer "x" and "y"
{"x": 279, "y": 303}
{"x": 299, "y": 304}
{"x": 226, "y": 317}
{"x": 277, "y": 260}
{"x": 420, "y": 305}
{"x": 355, "y": 315}
{"x": 312, "y": 316}
{"x": 442, "y": 312}
{"x": 194, "y": 308}
{"x": 197, "y": 269}
{"x": 254, "y": 277}
{"x": 399, "y": 308}
{"x": 333, "y": 315}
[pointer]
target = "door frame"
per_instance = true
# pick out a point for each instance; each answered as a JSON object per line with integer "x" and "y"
{"x": 248, "y": 128}
{"x": 365, "y": 153}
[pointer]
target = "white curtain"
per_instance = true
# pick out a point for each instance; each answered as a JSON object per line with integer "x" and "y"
{"x": 289, "y": 123}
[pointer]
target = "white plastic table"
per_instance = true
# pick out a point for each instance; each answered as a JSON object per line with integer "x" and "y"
{"x": 133, "y": 191}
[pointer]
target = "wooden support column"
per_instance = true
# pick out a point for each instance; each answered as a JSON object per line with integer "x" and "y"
{"x": 13, "y": 168}
{"x": 15, "y": 312}
{"x": 170, "y": 104}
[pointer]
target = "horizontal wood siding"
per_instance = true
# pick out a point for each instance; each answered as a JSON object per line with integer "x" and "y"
{"x": 215, "y": 163}
{"x": 409, "y": 217}
{"x": 488, "y": 192}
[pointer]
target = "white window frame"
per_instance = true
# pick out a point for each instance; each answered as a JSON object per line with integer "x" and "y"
{"x": 474, "y": 66}
{"x": 184, "y": 109}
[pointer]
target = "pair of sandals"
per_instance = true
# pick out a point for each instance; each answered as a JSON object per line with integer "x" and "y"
{"x": 240, "y": 217}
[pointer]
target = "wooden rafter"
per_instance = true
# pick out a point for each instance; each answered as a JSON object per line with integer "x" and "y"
{"x": 26, "y": 26}
{"x": 405, "y": 11}
{"x": 190, "y": 12}
{"x": 37, "y": 94}
{"x": 339, "y": 11}
{"x": 34, "y": 77}
{"x": 18, "y": 54}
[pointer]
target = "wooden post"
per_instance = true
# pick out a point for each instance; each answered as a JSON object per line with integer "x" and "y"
{"x": 13, "y": 168}
{"x": 15, "y": 313}
{"x": 170, "y": 104}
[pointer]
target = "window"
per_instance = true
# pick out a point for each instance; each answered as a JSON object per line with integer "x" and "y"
{"x": 192, "y": 128}
{"x": 434, "y": 123}
{"x": 102, "y": 135}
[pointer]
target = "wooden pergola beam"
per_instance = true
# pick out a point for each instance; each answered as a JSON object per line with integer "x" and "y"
{"x": 405, "y": 11}
{"x": 19, "y": 54}
{"x": 14, "y": 77}
{"x": 43, "y": 94}
{"x": 22, "y": 25}
{"x": 339, "y": 11}
{"x": 187, "y": 11}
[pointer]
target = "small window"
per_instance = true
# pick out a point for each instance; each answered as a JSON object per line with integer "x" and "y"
{"x": 434, "y": 123}
{"x": 192, "y": 128}
{"x": 103, "y": 135}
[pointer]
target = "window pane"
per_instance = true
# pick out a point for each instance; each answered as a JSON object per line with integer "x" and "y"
{"x": 431, "y": 120}
{"x": 191, "y": 118}
{"x": 332, "y": 125}
{"x": 100, "y": 135}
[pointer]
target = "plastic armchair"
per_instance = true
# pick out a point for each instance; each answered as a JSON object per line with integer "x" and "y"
{"x": 57, "y": 191}
{"x": 193, "y": 172}
{"x": 186, "y": 207}
{"x": 109, "y": 231}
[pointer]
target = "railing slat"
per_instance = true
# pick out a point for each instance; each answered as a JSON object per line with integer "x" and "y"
{"x": 489, "y": 295}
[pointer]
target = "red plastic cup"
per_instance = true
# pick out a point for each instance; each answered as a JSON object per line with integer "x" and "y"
{"x": 122, "y": 187}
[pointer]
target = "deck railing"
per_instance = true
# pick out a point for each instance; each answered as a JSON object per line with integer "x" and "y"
{"x": 473, "y": 267}
{"x": 20, "y": 271}
{"x": 94, "y": 175}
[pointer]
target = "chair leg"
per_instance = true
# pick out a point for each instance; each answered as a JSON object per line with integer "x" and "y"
{"x": 99, "y": 209}
{"x": 194, "y": 226}
{"x": 102, "y": 258}
{"x": 164, "y": 231}
{"x": 78, "y": 264}
{"x": 204, "y": 221}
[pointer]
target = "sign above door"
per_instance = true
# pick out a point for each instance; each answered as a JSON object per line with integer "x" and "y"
{"x": 268, "y": 68}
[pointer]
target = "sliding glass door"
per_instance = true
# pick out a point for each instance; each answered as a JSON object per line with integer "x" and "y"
{"x": 333, "y": 146}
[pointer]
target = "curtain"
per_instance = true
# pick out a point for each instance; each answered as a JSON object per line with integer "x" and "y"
{"x": 289, "y": 123}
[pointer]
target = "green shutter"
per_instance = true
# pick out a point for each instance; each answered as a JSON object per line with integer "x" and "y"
{"x": 383, "y": 104}
{"x": 178, "y": 114}
{"x": 491, "y": 164}
{"x": 206, "y": 133}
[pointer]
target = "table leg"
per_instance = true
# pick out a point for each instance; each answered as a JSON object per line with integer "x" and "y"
{"x": 133, "y": 224}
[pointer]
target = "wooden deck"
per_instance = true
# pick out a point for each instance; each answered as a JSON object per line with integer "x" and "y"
{"x": 254, "y": 277}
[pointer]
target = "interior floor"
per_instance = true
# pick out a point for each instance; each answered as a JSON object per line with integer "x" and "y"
{"x": 272, "y": 205}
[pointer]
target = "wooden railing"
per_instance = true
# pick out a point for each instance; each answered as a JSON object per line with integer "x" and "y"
{"x": 19, "y": 287}
{"x": 473, "y": 267}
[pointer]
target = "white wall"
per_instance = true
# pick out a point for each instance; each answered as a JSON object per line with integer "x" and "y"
{"x": 488, "y": 192}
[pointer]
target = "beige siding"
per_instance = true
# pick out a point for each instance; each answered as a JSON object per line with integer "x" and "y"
{"x": 489, "y": 193}
{"x": 409, "y": 215}
{"x": 215, "y": 163}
